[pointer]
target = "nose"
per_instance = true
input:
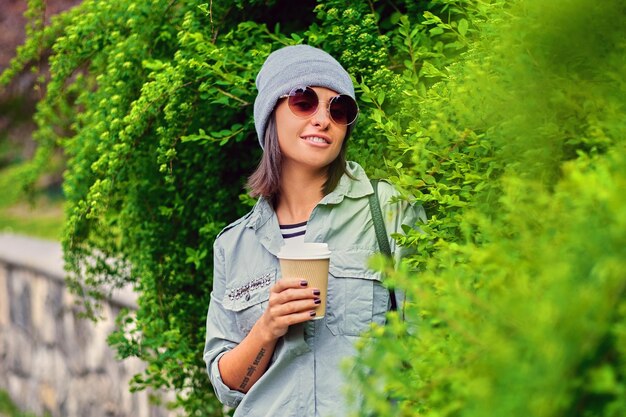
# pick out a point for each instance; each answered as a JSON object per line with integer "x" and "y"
{"x": 321, "y": 117}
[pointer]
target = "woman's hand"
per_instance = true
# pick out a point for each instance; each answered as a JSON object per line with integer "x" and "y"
{"x": 291, "y": 301}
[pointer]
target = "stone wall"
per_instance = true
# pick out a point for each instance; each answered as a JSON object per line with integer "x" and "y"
{"x": 51, "y": 359}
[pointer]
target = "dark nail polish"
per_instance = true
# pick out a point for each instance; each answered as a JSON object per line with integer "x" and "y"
{"x": 304, "y": 283}
{"x": 317, "y": 301}
{"x": 316, "y": 292}
{"x": 312, "y": 314}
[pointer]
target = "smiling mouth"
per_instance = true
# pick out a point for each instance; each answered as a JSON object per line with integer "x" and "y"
{"x": 316, "y": 139}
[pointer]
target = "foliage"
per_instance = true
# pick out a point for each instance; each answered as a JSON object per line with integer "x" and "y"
{"x": 519, "y": 307}
{"x": 505, "y": 119}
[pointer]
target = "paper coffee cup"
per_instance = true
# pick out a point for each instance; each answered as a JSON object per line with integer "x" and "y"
{"x": 307, "y": 261}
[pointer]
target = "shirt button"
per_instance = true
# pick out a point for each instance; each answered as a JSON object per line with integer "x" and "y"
{"x": 247, "y": 297}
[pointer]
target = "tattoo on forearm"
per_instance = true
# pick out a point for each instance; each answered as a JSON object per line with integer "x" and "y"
{"x": 252, "y": 369}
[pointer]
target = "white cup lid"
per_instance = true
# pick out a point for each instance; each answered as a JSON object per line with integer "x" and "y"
{"x": 304, "y": 250}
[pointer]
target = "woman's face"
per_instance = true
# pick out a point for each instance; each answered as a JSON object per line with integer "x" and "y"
{"x": 312, "y": 142}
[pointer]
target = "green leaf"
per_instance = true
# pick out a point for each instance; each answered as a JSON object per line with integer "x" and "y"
{"x": 463, "y": 26}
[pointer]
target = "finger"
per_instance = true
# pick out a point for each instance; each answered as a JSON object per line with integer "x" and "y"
{"x": 293, "y": 294}
{"x": 286, "y": 283}
{"x": 296, "y": 307}
{"x": 300, "y": 317}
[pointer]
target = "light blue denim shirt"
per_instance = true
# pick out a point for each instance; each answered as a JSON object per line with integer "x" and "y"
{"x": 304, "y": 378}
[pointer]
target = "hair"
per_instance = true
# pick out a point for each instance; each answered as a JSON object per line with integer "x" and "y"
{"x": 265, "y": 180}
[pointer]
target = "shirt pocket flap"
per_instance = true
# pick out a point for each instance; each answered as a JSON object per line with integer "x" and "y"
{"x": 353, "y": 263}
{"x": 250, "y": 293}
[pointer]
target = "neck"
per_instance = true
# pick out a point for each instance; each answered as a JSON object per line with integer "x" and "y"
{"x": 300, "y": 191}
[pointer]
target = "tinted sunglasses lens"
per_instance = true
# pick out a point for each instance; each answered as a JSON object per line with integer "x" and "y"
{"x": 343, "y": 110}
{"x": 303, "y": 102}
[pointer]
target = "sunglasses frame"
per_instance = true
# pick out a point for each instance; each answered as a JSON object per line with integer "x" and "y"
{"x": 305, "y": 88}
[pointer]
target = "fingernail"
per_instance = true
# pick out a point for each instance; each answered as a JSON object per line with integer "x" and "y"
{"x": 312, "y": 314}
{"x": 316, "y": 292}
{"x": 317, "y": 301}
{"x": 304, "y": 283}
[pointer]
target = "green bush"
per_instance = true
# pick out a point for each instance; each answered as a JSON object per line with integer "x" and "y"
{"x": 519, "y": 306}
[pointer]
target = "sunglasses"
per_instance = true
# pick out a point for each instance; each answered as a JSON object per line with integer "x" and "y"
{"x": 304, "y": 102}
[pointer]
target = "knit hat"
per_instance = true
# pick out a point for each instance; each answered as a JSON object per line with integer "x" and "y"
{"x": 296, "y": 66}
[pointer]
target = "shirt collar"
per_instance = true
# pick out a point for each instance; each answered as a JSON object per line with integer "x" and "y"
{"x": 260, "y": 214}
{"x": 348, "y": 187}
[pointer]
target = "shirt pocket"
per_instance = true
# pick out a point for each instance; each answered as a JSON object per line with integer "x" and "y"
{"x": 356, "y": 295}
{"x": 248, "y": 299}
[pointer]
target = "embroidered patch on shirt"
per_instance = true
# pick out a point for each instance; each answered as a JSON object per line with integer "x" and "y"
{"x": 243, "y": 291}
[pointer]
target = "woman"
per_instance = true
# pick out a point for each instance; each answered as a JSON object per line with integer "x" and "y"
{"x": 264, "y": 353}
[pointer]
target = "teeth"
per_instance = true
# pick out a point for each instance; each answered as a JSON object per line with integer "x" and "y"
{"x": 315, "y": 139}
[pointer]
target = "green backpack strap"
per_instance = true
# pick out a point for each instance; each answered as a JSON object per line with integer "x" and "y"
{"x": 381, "y": 235}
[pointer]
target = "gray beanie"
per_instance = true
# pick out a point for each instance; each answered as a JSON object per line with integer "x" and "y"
{"x": 296, "y": 66}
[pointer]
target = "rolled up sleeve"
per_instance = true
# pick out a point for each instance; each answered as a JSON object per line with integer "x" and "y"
{"x": 222, "y": 334}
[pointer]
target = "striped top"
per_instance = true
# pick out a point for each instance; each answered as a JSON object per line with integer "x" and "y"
{"x": 293, "y": 232}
